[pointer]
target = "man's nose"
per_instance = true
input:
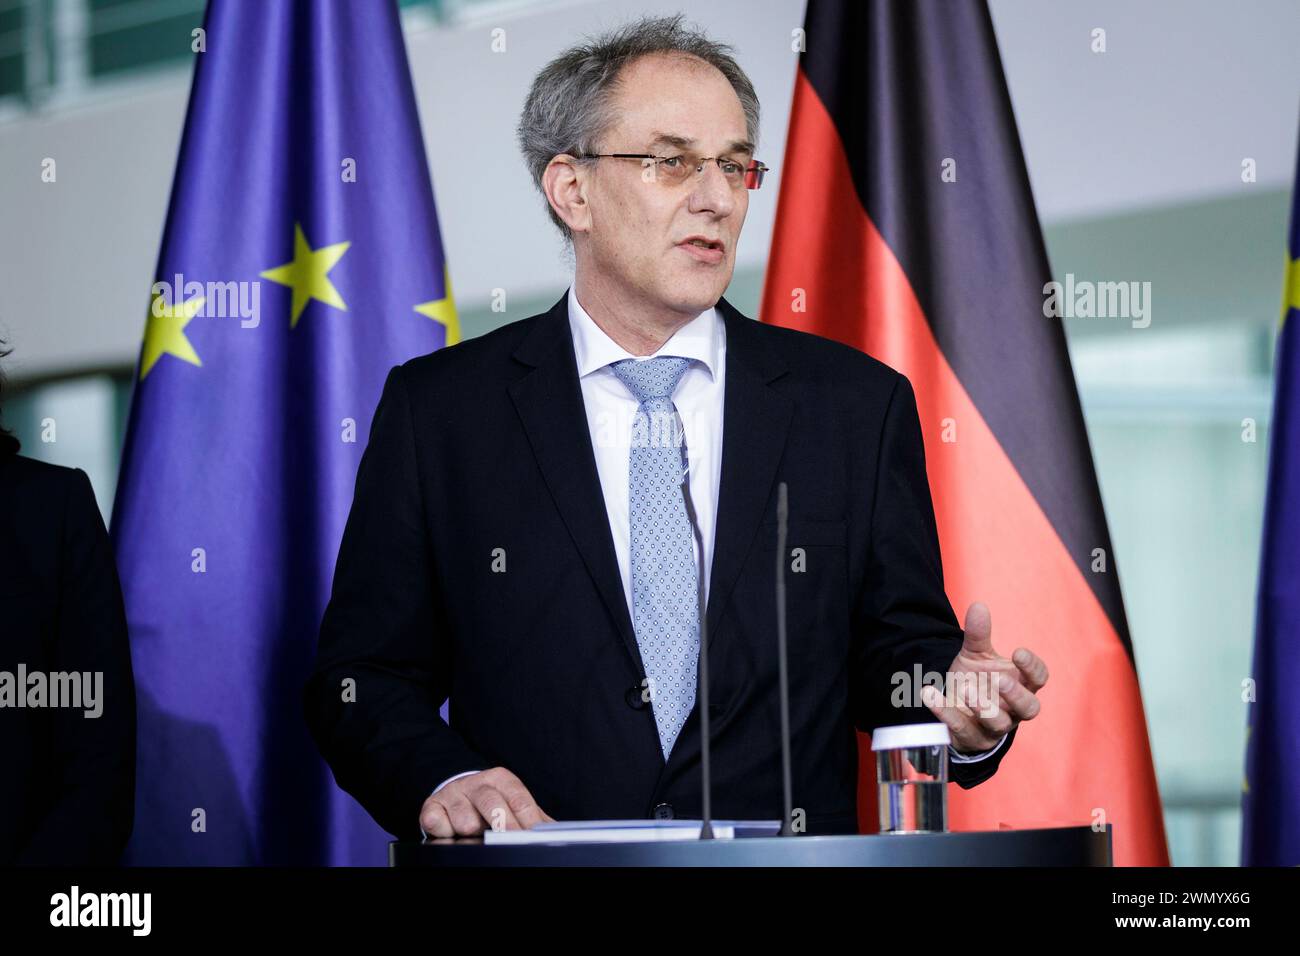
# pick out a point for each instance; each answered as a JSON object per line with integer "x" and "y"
{"x": 712, "y": 192}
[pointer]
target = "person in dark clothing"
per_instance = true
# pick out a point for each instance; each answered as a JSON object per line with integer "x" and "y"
{"x": 67, "y": 695}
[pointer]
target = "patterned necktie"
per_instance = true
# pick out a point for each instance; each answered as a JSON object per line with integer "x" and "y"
{"x": 665, "y": 611}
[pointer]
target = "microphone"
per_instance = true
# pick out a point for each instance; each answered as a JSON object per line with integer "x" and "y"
{"x": 706, "y": 827}
{"x": 782, "y": 518}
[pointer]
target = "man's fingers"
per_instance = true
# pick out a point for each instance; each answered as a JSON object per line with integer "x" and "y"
{"x": 977, "y": 692}
{"x": 521, "y": 803}
{"x": 449, "y": 814}
{"x": 465, "y": 817}
{"x": 966, "y": 731}
{"x": 1033, "y": 669}
{"x": 978, "y": 629}
{"x": 1020, "y": 700}
{"x": 493, "y": 807}
{"x": 984, "y": 703}
{"x": 435, "y": 821}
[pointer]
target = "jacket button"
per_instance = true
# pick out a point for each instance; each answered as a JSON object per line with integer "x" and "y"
{"x": 663, "y": 811}
{"x": 634, "y": 698}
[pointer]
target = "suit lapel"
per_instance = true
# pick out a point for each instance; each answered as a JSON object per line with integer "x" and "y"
{"x": 550, "y": 405}
{"x": 756, "y": 420}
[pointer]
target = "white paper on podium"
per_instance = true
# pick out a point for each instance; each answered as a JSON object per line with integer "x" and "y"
{"x": 629, "y": 831}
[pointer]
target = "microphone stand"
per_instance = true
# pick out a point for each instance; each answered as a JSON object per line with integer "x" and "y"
{"x": 706, "y": 826}
{"x": 782, "y": 518}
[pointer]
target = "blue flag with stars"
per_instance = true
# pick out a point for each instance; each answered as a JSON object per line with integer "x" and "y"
{"x": 300, "y": 261}
{"x": 1270, "y": 826}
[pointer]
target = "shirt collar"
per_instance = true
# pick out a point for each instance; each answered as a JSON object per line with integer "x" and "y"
{"x": 698, "y": 339}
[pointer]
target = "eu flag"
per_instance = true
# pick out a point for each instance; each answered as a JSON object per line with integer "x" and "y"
{"x": 300, "y": 261}
{"x": 1271, "y": 791}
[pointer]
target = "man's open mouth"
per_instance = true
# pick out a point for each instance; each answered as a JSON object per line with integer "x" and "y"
{"x": 702, "y": 249}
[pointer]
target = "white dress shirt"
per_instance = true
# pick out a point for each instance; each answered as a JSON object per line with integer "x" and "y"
{"x": 611, "y": 409}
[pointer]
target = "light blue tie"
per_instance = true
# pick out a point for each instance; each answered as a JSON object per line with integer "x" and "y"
{"x": 665, "y": 612}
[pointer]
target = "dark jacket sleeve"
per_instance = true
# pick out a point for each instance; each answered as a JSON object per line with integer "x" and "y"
{"x": 382, "y": 669}
{"x": 902, "y": 616}
{"x": 90, "y": 818}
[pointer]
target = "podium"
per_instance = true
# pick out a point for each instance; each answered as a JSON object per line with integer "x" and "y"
{"x": 1057, "y": 846}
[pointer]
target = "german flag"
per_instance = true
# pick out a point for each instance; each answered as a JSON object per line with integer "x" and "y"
{"x": 906, "y": 228}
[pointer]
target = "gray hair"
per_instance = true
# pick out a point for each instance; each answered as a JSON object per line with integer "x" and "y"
{"x": 569, "y": 105}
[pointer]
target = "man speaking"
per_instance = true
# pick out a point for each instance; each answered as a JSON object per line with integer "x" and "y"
{"x": 519, "y": 545}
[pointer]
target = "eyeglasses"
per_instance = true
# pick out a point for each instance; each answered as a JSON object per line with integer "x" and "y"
{"x": 674, "y": 170}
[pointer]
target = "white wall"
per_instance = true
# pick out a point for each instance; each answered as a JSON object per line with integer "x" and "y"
{"x": 1186, "y": 89}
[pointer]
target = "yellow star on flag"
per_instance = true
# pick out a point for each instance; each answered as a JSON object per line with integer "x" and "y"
{"x": 308, "y": 274}
{"x": 164, "y": 333}
{"x": 1291, "y": 287}
{"x": 443, "y": 311}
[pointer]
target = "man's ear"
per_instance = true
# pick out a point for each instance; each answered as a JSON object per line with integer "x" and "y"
{"x": 565, "y": 186}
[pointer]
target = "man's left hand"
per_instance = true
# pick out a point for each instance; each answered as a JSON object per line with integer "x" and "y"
{"x": 988, "y": 694}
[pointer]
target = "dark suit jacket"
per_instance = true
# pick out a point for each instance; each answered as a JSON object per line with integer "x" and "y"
{"x": 67, "y": 791}
{"x": 485, "y": 446}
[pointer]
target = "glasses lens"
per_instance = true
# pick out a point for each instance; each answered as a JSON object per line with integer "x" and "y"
{"x": 754, "y": 175}
{"x": 675, "y": 169}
